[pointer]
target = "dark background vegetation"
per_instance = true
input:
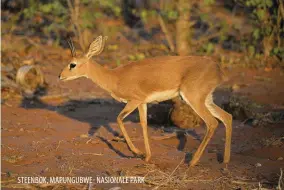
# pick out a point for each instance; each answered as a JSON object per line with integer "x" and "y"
{"x": 252, "y": 29}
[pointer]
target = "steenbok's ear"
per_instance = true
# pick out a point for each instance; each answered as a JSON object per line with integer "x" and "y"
{"x": 96, "y": 47}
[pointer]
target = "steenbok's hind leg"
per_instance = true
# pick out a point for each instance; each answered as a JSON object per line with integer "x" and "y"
{"x": 197, "y": 102}
{"x": 130, "y": 107}
{"x": 226, "y": 118}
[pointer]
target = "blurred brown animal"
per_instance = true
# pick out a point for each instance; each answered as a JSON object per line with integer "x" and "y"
{"x": 157, "y": 79}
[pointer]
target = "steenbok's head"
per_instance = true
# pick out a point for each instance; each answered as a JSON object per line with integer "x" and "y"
{"x": 78, "y": 65}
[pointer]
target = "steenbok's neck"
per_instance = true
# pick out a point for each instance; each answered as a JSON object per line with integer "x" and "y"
{"x": 101, "y": 76}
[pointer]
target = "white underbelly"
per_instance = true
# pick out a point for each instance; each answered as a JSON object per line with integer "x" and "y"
{"x": 161, "y": 96}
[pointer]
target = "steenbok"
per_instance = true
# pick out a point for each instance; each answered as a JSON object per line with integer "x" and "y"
{"x": 194, "y": 78}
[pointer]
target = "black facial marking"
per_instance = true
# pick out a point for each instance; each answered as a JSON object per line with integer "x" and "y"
{"x": 72, "y": 65}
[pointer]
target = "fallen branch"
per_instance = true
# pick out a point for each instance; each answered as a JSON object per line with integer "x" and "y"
{"x": 164, "y": 137}
{"x": 206, "y": 38}
{"x": 166, "y": 32}
{"x": 95, "y": 154}
{"x": 8, "y": 181}
{"x": 280, "y": 179}
{"x": 244, "y": 182}
{"x": 203, "y": 180}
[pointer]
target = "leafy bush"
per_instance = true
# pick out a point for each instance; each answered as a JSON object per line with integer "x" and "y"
{"x": 267, "y": 18}
{"x": 51, "y": 18}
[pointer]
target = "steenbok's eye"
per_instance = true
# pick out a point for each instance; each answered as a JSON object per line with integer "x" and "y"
{"x": 72, "y": 65}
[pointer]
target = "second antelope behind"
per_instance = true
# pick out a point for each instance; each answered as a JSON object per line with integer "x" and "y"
{"x": 194, "y": 78}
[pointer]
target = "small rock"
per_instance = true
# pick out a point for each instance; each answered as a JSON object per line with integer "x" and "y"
{"x": 84, "y": 136}
{"x": 21, "y": 130}
{"x": 280, "y": 158}
{"x": 258, "y": 165}
{"x": 225, "y": 171}
{"x": 122, "y": 173}
{"x": 236, "y": 87}
{"x": 43, "y": 171}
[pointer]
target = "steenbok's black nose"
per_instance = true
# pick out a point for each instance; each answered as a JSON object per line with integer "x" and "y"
{"x": 58, "y": 76}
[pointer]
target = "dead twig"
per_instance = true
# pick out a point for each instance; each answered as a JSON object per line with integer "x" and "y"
{"x": 201, "y": 41}
{"x": 280, "y": 180}
{"x": 203, "y": 180}
{"x": 249, "y": 182}
{"x": 151, "y": 182}
{"x": 95, "y": 154}
{"x": 71, "y": 168}
{"x": 243, "y": 122}
{"x": 164, "y": 137}
{"x": 166, "y": 32}
{"x": 88, "y": 141}
{"x": 8, "y": 181}
{"x": 58, "y": 145}
{"x": 74, "y": 14}
{"x": 32, "y": 42}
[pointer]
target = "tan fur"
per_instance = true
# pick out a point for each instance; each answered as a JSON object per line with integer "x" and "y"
{"x": 159, "y": 79}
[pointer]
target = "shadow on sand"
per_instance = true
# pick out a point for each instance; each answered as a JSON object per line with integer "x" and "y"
{"x": 101, "y": 112}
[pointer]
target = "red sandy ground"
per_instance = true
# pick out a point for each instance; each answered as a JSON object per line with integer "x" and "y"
{"x": 46, "y": 140}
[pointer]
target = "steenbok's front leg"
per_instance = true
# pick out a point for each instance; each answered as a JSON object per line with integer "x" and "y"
{"x": 130, "y": 107}
{"x": 143, "y": 120}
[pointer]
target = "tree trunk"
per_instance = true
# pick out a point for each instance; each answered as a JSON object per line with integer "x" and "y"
{"x": 183, "y": 27}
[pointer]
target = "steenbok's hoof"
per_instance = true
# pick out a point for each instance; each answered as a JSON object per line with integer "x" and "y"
{"x": 147, "y": 159}
{"x": 191, "y": 164}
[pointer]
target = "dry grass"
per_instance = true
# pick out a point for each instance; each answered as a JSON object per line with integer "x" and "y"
{"x": 280, "y": 181}
{"x": 182, "y": 177}
{"x": 243, "y": 109}
{"x": 174, "y": 179}
{"x": 272, "y": 141}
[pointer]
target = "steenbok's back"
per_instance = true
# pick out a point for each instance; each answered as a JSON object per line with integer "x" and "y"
{"x": 164, "y": 74}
